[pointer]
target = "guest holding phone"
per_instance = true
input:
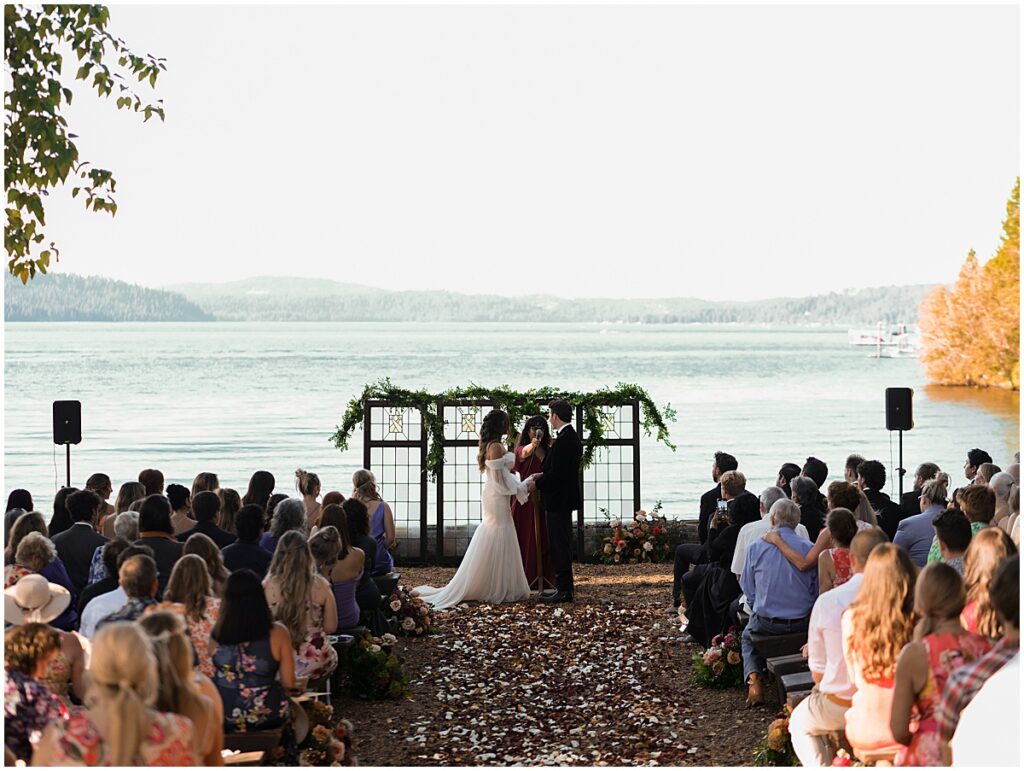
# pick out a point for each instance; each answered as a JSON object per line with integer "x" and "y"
{"x": 534, "y": 442}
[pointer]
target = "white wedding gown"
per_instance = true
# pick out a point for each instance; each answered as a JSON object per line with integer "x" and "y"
{"x": 492, "y": 568}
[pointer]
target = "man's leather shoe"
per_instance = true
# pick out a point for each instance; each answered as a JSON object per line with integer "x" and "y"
{"x": 755, "y": 690}
{"x": 556, "y": 598}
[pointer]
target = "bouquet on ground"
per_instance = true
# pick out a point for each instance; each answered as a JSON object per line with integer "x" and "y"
{"x": 374, "y": 671}
{"x": 645, "y": 539}
{"x": 721, "y": 665}
{"x": 411, "y": 614}
{"x": 776, "y": 749}
{"x": 327, "y": 743}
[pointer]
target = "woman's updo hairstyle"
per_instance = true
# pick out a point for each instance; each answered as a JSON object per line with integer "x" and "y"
{"x": 306, "y": 483}
{"x": 494, "y": 426}
{"x": 364, "y": 485}
{"x": 936, "y": 490}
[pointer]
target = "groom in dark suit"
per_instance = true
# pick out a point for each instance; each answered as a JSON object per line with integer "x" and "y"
{"x": 559, "y": 487}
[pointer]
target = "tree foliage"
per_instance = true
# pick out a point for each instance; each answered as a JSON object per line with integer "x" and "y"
{"x": 39, "y": 149}
{"x": 971, "y": 334}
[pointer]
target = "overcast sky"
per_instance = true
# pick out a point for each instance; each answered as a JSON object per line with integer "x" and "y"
{"x": 715, "y": 152}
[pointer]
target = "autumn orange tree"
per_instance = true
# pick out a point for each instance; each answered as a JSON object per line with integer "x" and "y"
{"x": 971, "y": 335}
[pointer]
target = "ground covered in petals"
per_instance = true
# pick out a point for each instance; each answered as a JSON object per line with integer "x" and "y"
{"x": 602, "y": 682}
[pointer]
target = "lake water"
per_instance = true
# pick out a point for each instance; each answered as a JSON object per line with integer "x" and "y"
{"x": 236, "y": 397}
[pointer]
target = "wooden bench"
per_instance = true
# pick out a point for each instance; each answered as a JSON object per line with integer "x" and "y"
{"x": 246, "y": 742}
{"x": 785, "y": 665}
{"x": 387, "y": 583}
{"x": 795, "y": 683}
{"x": 773, "y": 645}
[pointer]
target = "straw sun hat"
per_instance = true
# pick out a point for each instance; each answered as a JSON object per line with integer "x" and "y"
{"x": 34, "y": 599}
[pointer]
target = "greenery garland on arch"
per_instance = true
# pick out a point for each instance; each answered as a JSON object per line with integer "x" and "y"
{"x": 518, "y": 404}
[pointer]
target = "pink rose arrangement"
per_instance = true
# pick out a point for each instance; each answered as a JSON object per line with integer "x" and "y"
{"x": 721, "y": 665}
{"x": 645, "y": 539}
{"x": 410, "y": 615}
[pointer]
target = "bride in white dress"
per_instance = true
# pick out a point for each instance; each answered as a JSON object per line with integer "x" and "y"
{"x": 492, "y": 568}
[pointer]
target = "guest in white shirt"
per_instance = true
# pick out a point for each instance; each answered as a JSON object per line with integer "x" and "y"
{"x": 103, "y": 605}
{"x": 824, "y": 710}
{"x": 989, "y": 727}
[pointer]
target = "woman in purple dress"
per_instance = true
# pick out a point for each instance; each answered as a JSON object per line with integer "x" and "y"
{"x": 534, "y": 442}
{"x": 382, "y": 520}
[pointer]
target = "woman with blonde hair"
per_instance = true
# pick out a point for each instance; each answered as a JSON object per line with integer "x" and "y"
{"x": 230, "y": 503}
{"x": 119, "y": 726}
{"x": 36, "y": 553}
{"x": 205, "y": 481}
{"x": 189, "y": 588}
{"x": 940, "y": 645}
{"x": 876, "y": 626}
{"x": 988, "y": 550}
{"x": 382, "y": 520}
{"x": 177, "y": 690}
{"x": 308, "y": 486}
{"x": 302, "y": 601}
{"x": 127, "y": 494}
{"x": 203, "y": 546}
{"x": 342, "y": 565}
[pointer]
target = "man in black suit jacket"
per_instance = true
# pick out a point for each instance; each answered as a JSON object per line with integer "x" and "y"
{"x": 205, "y": 508}
{"x": 911, "y": 502}
{"x": 559, "y": 487}
{"x": 871, "y": 478}
{"x": 76, "y": 545}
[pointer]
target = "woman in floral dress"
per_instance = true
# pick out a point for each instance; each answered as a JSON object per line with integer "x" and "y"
{"x": 29, "y": 706}
{"x": 940, "y": 646}
{"x": 189, "y": 586}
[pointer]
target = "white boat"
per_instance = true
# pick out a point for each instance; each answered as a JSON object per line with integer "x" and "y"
{"x": 892, "y": 342}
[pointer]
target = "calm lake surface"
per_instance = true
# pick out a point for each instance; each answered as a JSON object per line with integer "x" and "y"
{"x": 236, "y": 397}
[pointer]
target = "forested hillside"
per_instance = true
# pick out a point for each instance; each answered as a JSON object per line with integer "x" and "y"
{"x": 67, "y": 297}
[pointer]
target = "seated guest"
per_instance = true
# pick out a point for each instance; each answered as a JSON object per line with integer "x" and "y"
{"x": 189, "y": 588}
{"x": 871, "y": 479}
{"x": 785, "y": 476}
{"x": 25, "y": 523}
{"x": 915, "y": 533}
{"x": 1013, "y": 523}
{"x": 246, "y": 553}
{"x": 817, "y": 471}
{"x": 988, "y": 550}
{"x": 29, "y": 706}
{"x": 101, "y": 485}
{"x": 342, "y": 565}
{"x": 308, "y": 486}
{"x": 157, "y": 532}
{"x": 205, "y": 481}
{"x": 835, "y": 565}
{"x": 230, "y": 504}
{"x": 382, "y": 520}
{"x": 206, "y": 508}
{"x": 812, "y": 515}
{"x": 965, "y": 682}
{"x": 36, "y": 554}
{"x": 9, "y": 519}
{"x": 940, "y": 645}
{"x": 126, "y": 496}
{"x": 61, "y": 519}
{"x": 126, "y": 527}
{"x": 304, "y": 603}
{"x": 850, "y": 468}
{"x": 207, "y": 550}
{"x": 253, "y": 661}
{"x": 878, "y": 624}
{"x": 738, "y": 507}
{"x": 261, "y": 487}
{"x": 1002, "y": 485}
{"x": 138, "y": 579}
{"x": 110, "y": 551}
{"x": 76, "y": 544}
{"x": 953, "y": 533}
{"x": 102, "y": 605}
{"x": 993, "y": 712}
{"x": 688, "y": 554}
{"x": 985, "y": 473}
{"x": 781, "y": 596}
{"x": 824, "y": 710}
{"x": 841, "y": 495}
{"x": 974, "y": 460}
{"x": 368, "y": 596}
{"x": 707, "y": 608}
{"x": 153, "y": 480}
{"x": 118, "y": 728}
{"x": 910, "y": 502}
{"x": 289, "y": 515}
{"x": 181, "y": 508}
{"x": 177, "y": 690}
{"x": 333, "y": 497}
{"x": 978, "y": 503}
{"x": 20, "y": 499}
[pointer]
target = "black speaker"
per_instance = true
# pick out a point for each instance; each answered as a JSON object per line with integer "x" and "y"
{"x": 67, "y": 422}
{"x": 899, "y": 409}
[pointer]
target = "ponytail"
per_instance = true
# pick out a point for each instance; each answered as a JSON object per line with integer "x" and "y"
{"x": 306, "y": 483}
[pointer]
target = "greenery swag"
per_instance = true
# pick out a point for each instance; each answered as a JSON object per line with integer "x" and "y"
{"x": 519, "y": 405}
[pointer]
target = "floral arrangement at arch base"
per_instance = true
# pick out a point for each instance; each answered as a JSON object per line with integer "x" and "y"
{"x": 721, "y": 665}
{"x": 374, "y": 671}
{"x": 327, "y": 743}
{"x": 410, "y": 615}
{"x": 776, "y": 749}
{"x": 645, "y": 539}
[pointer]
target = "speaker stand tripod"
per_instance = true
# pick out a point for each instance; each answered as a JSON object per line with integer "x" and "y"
{"x": 899, "y": 469}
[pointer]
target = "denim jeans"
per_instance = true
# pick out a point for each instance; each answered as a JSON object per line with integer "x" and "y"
{"x": 752, "y": 660}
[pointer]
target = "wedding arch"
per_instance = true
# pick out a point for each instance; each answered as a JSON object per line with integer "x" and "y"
{"x": 422, "y": 447}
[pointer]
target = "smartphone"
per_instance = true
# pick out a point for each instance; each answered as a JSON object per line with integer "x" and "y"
{"x": 723, "y": 506}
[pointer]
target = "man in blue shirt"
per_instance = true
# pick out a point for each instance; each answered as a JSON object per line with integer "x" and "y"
{"x": 780, "y": 595}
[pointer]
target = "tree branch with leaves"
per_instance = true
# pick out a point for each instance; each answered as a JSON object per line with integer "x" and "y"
{"x": 40, "y": 151}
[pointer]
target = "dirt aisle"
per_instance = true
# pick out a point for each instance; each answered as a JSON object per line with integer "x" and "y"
{"x": 602, "y": 682}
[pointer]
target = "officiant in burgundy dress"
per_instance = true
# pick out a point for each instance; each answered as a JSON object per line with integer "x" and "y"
{"x": 534, "y": 442}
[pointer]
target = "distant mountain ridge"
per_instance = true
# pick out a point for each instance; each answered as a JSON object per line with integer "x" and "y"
{"x": 76, "y": 298}
{"x": 69, "y": 297}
